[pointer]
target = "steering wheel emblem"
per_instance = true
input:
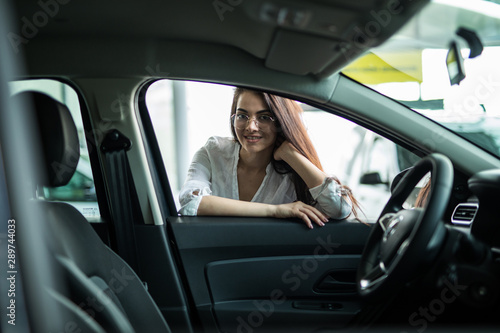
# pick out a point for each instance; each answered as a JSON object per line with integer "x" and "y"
{"x": 391, "y": 225}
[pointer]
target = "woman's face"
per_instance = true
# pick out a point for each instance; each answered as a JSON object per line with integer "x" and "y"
{"x": 257, "y": 135}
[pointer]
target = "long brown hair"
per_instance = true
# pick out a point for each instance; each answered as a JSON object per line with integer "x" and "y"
{"x": 290, "y": 127}
{"x": 423, "y": 195}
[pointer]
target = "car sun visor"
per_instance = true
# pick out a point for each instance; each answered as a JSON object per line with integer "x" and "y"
{"x": 300, "y": 53}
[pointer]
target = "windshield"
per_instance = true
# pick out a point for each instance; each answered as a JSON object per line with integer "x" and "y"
{"x": 411, "y": 67}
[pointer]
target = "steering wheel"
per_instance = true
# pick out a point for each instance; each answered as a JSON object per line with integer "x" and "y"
{"x": 405, "y": 239}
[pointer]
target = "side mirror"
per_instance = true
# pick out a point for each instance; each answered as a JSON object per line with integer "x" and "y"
{"x": 371, "y": 178}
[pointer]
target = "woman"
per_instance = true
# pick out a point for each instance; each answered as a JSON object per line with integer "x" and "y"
{"x": 269, "y": 168}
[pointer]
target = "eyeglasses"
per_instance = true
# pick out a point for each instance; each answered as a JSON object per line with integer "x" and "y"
{"x": 240, "y": 120}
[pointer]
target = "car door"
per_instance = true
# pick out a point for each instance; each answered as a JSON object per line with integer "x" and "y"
{"x": 244, "y": 274}
{"x": 249, "y": 274}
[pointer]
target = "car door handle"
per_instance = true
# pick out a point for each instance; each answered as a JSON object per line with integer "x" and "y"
{"x": 337, "y": 281}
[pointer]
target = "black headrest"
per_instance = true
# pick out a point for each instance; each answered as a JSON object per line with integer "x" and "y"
{"x": 59, "y": 138}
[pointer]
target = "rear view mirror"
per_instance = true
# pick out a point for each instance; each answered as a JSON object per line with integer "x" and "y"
{"x": 455, "y": 64}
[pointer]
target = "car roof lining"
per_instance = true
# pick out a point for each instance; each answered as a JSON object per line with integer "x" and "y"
{"x": 339, "y": 29}
{"x": 215, "y": 63}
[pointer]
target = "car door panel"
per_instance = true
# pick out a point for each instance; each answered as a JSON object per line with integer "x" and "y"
{"x": 266, "y": 290}
{"x": 252, "y": 274}
{"x": 299, "y": 275}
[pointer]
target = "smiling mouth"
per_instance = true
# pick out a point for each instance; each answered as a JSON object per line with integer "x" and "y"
{"x": 253, "y": 138}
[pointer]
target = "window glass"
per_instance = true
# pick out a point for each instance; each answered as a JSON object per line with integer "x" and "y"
{"x": 414, "y": 67}
{"x": 186, "y": 114}
{"x": 80, "y": 191}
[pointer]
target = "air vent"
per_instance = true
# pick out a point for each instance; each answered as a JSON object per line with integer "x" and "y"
{"x": 464, "y": 213}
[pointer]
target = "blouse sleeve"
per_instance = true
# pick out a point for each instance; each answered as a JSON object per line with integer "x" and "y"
{"x": 197, "y": 184}
{"x": 329, "y": 199}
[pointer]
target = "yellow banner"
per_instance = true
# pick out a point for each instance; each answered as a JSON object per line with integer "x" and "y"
{"x": 387, "y": 67}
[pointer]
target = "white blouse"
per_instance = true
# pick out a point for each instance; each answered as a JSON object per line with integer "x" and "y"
{"x": 213, "y": 171}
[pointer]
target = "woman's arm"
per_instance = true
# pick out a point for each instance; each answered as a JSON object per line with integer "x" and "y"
{"x": 309, "y": 173}
{"x": 213, "y": 205}
{"x": 324, "y": 190}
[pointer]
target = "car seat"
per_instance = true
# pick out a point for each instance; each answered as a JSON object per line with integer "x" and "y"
{"x": 102, "y": 293}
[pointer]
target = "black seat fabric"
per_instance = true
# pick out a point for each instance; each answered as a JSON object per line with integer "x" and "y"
{"x": 102, "y": 290}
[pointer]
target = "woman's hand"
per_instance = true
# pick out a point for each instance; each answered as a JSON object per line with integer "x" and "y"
{"x": 301, "y": 210}
{"x": 309, "y": 172}
{"x": 284, "y": 149}
{"x": 212, "y": 205}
